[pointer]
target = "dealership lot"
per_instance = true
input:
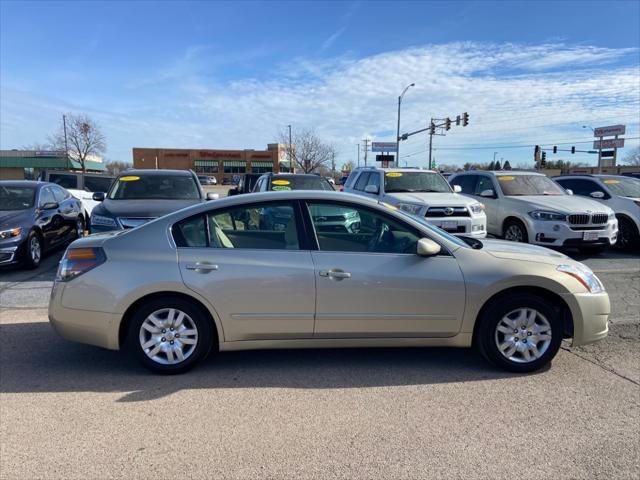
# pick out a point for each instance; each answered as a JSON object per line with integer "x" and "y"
{"x": 74, "y": 411}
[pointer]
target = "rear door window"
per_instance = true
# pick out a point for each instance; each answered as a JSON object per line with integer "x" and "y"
{"x": 362, "y": 181}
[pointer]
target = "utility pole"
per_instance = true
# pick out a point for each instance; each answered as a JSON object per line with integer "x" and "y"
{"x": 291, "y": 167}
{"x": 432, "y": 132}
{"x": 358, "y": 154}
{"x": 333, "y": 166}
{"x": 66, "y": 145}
{"x": 366, "y": 149}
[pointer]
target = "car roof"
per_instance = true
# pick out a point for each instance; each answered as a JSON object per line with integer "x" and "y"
{"x": 392, "y": 169}
{"x": 500, "y": 172}
{"x": 589, "y": 175}
{"x": 274, "y": 175}
{"x": 24, "y": 183}
{"x": 143, "y": 171}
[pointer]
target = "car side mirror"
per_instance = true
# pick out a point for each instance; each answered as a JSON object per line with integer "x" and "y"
{"x": 457, "y": 188}
{"x": 371, "y": 189}
{"x": 569, "y": 191}
{"x": 488, "y": 193}
{"x": 50, "y": 206}
{"x": 428, "y": 248}
{"x": 596, "y": 195}
{"x": 232, "y": 192}
{"x": 213, "y": 196}
{"x": 98, "y": 196}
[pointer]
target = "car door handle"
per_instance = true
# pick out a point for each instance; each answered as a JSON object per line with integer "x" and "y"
{"x": 335, "y": 273}
{"x": 202, "y": 267}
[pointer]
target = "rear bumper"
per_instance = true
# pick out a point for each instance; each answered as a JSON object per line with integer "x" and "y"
{"x": 590, "y": 316}
{"x": 83, "y": 326}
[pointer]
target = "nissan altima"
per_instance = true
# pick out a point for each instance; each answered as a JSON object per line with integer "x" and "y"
{"x": 218, "y": 276}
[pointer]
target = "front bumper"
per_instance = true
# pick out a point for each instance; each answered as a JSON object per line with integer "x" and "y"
{"x": 11, "y": 250}
{"x": 561, "y": 234}
{"x": 84, "y": 326}
{"x": 468, "y": 226}
{"x": 590, "y": 314}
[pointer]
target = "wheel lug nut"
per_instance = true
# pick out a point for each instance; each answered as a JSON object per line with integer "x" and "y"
{"x": 171, "y": 342}
{"x": 177, "y": 335}
{"x": 528, "y": 334}
{"x": 164, "y": 331}
{"x": 516, "y": 339}
{"x": 171, "y": 329}
{"x": 164, "y": 339}
{"x": 524, "y": 340}
{"x": 515, "y": 331}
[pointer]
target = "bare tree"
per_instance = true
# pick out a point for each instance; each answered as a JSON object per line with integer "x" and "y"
{"x": 307, "y": 151}
{"x": 84, "y": 138}
{"x": 633, "y": 157}
{"x": 38, "y": 147}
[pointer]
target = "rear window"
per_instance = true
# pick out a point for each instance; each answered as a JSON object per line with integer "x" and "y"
{"x": 154, "y": 187}
{"x": 299, "y": 182}
{"x": 97, "y": 184}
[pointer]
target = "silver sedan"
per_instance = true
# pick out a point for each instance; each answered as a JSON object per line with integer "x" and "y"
{"x": 274, "y": 270}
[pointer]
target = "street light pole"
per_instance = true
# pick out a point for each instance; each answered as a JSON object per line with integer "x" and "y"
{"x": 291, "y": 169}
{"x": 599, "y": 148}
{"x": 398, "y": 127}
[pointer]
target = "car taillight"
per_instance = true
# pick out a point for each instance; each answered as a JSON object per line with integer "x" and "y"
{"x": 77, "y": 261}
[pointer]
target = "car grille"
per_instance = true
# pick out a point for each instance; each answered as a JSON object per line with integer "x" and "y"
{"x": 586, "y": 219}
{"x": 133, "y": 222}
{"x": 442, "y": 212}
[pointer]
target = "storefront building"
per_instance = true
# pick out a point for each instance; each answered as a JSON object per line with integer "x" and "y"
{"x": 225, "y": 165}
{"x": 27, "y": 164}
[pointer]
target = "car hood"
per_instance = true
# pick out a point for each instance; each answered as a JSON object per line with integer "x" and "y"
{"x": 15, "y": 218}
{"x": 561, "y": 203}
{"x": 142, "y": 208}
{"x": 432, "y": 198}
{"x": 522, "y": 251}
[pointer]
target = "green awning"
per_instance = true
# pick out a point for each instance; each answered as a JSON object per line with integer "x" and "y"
{"x": 234, "y": 163}
{"x": 49, "y": 162}
{"x": 262, "y": 164}
{"x": 206, "y": 163}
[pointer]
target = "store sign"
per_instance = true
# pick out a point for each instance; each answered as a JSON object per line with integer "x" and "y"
{"x": 384, "y": 146}
{"x": 50, "y": 153}
{"x": 611, "y": 143}
{"x": 212, "y": 153}
{"x": 609, "y": 131}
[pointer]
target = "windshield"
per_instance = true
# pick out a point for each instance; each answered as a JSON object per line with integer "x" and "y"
{"x": 300, "y": 182}
{"x": 154, "y": 187}
{"x": 415, "y": 182}
{"x": 432, "y": 228}
{"x": 514, "y": 185}
{"x": 16, "y": 198}
{"x": 624, "y": 187}
{"x": 97, "y": 184}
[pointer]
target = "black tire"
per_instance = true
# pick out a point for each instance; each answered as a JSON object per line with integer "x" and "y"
{"x": 592, "y": 249}
{"x": 79, "y": 224}
{"x": 486, "y": 337}
{"x": 205, "y": 334}
{"x": 515, "y": 225}
{"x": 29, "y": 259}
{"x": 628, "y": 235}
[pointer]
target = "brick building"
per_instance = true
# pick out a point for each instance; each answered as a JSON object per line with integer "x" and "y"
{"x": 223, "y": 164}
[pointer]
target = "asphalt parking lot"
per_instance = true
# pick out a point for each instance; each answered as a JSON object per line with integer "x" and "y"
{"x": 75, "y": 411}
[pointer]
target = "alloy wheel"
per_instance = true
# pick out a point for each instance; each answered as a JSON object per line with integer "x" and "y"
{"x": 79, "y": 228}
{"x": 523, "y": 335}
{"x": 168, "y": 336}
{"x": 35, "y": 250}
{"x": 514, "y": 234}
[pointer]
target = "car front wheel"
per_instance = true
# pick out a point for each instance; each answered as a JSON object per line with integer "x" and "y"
{"x": 169, "y": 335}
{"x": 520, "y": 333}
{"x": 33, "y": 250}
{"x": 515, "y": 231}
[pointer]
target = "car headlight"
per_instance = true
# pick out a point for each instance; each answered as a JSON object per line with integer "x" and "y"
{"x": 583, "y": 275}
{"x": 103, "y": 221}
{"x": 612, "y": 215}
{"x": 544, "y": 215}
{"x": 476, "y": 208}
{"x": 11, "y": 233}
{"x": 412, "y": 208}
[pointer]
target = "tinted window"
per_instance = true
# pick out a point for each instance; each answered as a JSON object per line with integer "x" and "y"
{"x": 46, "y": 196}
{"x": 363, "y": 179}
{"x": 415, "y": 182}
{"x": 97, "y": 184}
{"x": 467, "y": 183}
{"x": 16, "y": 198}
{"x": 64, "y": 180}
{"x": 514, "y": 185}
{"x": 349, "y": 228}
{"x": 263, "y": 226}
{"x": 190, "y": 232}
{"x": 374, "y": 179}
{"x": 580, "y": 186}
{"x": 59, "y": 194}
{"x": 624, "y": 187}
{"x": 154, "y": 187}
{"x": 484, "y": 183}
{"x": 299, "y": 182}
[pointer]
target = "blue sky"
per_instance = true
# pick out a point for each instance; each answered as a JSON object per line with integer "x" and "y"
{"x": 233, "y": 75}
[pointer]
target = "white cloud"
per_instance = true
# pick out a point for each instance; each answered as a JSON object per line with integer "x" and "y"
{"x": 513, "y": 93}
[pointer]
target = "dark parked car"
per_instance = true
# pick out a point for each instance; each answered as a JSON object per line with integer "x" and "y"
{"x": 275, "y": 182}
{"x": 137, "y": 196}
{"x": 245, "y": 184}
{"x": 36, "y": 217}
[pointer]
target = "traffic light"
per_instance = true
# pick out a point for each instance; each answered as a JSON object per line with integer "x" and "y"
{"x": 555, "y": 149}
{"x": 536, "y": 154}
{"x": 458, "y": 120}
{"x": 432, "y": 129}
{"x": 543, "y": 161}
{"x": 447, "y": 124}
{"x": 573, "y": 149}
{"x": 465, "y": 119}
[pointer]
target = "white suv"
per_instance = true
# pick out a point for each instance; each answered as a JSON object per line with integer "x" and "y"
{"x": 530, "y": 207}
{"x": 620, "y": 193}
{"x": 424, "y": 193}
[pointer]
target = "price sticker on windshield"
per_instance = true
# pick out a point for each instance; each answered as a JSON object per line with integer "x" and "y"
{"x": 611, "y": 182}
{"x": 394, "y": 174}
{"x": 506, "y": 179}
{"x": 280, "y": 182}
{"x": 129, "y": 179}
{"x": 279, "y": 188}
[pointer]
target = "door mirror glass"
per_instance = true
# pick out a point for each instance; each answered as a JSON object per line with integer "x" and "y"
{"x": 98, "y": 196}
{"x": 569, "y": 191}
{"x": 596, "y": 195}
{"x": 457, "y": 188}
{"x": 50, "y": 206}
{"x": 213, "y": 196}
{"x": 428, "y": 248}
{"x": 371, "y": 189}
{"x": 488, "y": 193}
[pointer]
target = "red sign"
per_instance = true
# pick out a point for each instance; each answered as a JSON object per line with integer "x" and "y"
{"x": 176, "y": 154}
{"x": 261, "y": 155}
{"x": 210, "y": 153}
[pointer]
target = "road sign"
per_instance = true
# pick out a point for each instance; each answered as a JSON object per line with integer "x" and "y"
{"x": 609, "y": 131}
{"x": 384, "y": 146}
{"x": 608, "y": 154}
{"x": 610, "y": 143}
{"x": 385, "y": 158}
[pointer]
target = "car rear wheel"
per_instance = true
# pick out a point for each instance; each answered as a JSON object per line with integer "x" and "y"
{"x": 520, "y": 333}
{"x": 33, "y": 250}
{"x": 515, "y": 231}
{"x": 628, "y": 236}
{"x": 79, "y": 233}
{"x": 169, "y": 335}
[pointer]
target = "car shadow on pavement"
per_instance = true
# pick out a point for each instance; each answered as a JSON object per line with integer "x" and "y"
{"x": 34, "y": 359}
